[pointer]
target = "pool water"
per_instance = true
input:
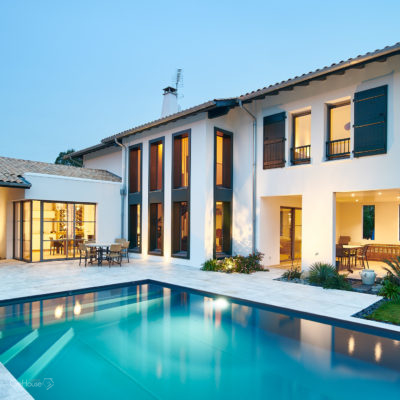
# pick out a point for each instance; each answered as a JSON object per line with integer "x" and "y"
{"x": 148, "y": 341}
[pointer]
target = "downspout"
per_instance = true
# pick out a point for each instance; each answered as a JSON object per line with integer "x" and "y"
{"x": 123, "y": 188}
{"x": 254, "y": 200}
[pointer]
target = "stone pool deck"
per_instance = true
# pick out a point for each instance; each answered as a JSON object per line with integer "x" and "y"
{"x": 23, "y": 279}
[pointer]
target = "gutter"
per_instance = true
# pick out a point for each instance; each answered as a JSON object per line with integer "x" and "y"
{"x": 254, "y": 199}
{"x": 123, "y": 190}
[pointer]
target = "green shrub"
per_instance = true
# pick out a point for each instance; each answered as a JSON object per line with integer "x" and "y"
{"x": 337, "y": 281}
{"x": 249, "y": 264}
{"x": 212, "y": 265}
{"x": 292, "y": 273}
{"x": 319, "y": 273}
{"x": 390, "y": 290}
{"x": 240, "y": 264}
{"x": 393, "y": 270}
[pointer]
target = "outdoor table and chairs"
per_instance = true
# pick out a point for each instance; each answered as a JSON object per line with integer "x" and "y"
{"x": 104, "y": 251}
{"x": 350, "y": 255}
{"x": 101, "y": 249}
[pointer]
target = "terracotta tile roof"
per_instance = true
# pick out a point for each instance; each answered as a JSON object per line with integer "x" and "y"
{"x": 304, "y": 79}
{"x": 13, "y": 169}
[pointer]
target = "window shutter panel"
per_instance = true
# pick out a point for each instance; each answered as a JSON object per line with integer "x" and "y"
{"x": 227, "y": 162}
{"x": 153, "y": 166}
{"x": 133, "y": 171}
{"x": 370, "y": 122}
{"x": 177, "y": 162}
{"x": 274, "y": 141}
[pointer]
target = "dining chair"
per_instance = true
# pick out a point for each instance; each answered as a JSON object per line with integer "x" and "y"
{"x": 114, "y": 255}
{"x": 362, "y": 256}
{"x": 125, "y": 249}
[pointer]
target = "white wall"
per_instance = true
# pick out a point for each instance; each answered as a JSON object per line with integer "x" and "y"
{"x": 7, "y": 195}
{"x": 105, "y": 194}
{"x": 109, "y": 159}
{"x": 349, "y": 222}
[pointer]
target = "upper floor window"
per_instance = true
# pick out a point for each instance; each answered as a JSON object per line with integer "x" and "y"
{"x": 370, "y": 121}
{"x": 135, "y": 170}
{"x": 156, "y": 165}
{"x": 274, "y": 141}
{"x": 181, "y": 161}
{"x": 301, "y": 150}
{"x": 338, "y": 144}
{"x": 223, "y": 159}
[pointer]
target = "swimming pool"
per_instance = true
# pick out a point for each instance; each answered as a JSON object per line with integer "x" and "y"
{"x": 151, "y": 341}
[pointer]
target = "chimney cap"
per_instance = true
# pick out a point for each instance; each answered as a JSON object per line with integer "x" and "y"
{"x": 169, "y": 89}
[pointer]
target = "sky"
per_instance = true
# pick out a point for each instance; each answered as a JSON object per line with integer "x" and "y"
{"x": 75, "y": 71}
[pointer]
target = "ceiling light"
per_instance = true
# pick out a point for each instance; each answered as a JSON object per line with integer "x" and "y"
{"x": 352, "y": 195}
{"x": 379, "y": 193}
{"x": 357, "y": 200}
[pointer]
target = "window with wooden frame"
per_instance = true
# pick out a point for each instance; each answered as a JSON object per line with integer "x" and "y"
{"x": 135, "y": 169}
{"x": 274, "y": 141}
{"x": 180, "y": 195}
{"x": 301, "y": 150}
{"x": 223, "y": 159}
{"x": 156, "y": 165}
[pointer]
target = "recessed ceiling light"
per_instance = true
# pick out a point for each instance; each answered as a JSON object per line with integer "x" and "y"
{"x": 352, "y": 195}
{"x": 357, "y": 200}
{"x": 379, "y": 193}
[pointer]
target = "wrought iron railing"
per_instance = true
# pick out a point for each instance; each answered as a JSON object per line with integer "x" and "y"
{"x": 338, "y": 148}
{"x": 274, "y": 153}
{"x": 301, "y": 154}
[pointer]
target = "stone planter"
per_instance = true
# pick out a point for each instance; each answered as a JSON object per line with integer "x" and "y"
{"x": 368, "y": 276}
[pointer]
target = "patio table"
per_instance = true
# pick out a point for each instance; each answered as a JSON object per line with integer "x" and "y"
{"x": 100, "y": 247}
{"x": 351, "y": 253}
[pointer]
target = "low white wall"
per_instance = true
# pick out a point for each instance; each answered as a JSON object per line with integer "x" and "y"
{"x": 105, "y": 194}
{"x": 7, "y": 195}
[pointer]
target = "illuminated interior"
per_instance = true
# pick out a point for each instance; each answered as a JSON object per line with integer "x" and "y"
{"x": 135, "y": 231}
{"x": 290, "y": 234}
{"x": 156, "y": 166}
{"x": 180, "y": 228}
{"x": 156, "y": 228}
{"x": 222, "y": 227}
{"x": 223, "y": 159}
{"x": 51, "y": 230}
{"x": 339, "y": 121}
{"x": 302, "y": 130}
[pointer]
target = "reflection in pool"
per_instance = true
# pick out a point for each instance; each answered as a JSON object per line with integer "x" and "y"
{"x": 149, "y": 341}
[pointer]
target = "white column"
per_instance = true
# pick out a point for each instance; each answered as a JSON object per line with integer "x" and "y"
{"x": 318, "y": 227}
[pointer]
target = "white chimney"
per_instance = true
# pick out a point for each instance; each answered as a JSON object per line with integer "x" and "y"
{"x": 170, "y": 102}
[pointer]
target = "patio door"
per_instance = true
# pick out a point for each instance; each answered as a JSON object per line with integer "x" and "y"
{"x": 290, "y": 234}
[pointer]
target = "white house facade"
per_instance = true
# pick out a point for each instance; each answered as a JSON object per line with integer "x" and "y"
{"x": 286, "y": 170}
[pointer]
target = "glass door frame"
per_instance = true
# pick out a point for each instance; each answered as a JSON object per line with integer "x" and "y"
{"x": 292, "y": 231}
{"x": 21, "y": 225}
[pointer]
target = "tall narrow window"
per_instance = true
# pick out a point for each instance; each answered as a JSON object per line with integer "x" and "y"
{"x": 301, "y": 150}
{"x": 222, "y": 228}
{"x": 180, "y": 232}
{"x": 135, "y": 227}
{"x": 223, "y": 159}
{"x": 156, "y": 228}
{"x": 369, "y": 222}
{"x": 180, "y": 229}
{"x": 338, "y": 144}
{"x": 181, "y": 161}
{"x": 223, "y": 193}
{"x": 135, "y": 169}
{"x": 156, "y": 166}
{"x": 135, "y": 198}
{"x": 156, "y": 197}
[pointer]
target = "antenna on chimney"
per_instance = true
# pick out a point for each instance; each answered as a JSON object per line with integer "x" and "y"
{"x": 179, "y": 84}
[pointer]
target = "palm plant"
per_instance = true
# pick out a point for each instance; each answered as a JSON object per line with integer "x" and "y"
{"x": 393, "y": 269}
{"x": 319, "y": 273}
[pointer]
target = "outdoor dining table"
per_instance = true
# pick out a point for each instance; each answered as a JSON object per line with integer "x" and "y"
{"x": 100, "y": 247}
{"x": 350, "y": 253}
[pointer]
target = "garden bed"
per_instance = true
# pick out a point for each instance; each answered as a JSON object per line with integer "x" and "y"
{"x": 384, "y": 310}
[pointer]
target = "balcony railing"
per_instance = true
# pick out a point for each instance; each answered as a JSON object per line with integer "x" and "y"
{"x": 301, "y": 154}
{"x": 338, "y": 149}
{"x": 274, "y": 153}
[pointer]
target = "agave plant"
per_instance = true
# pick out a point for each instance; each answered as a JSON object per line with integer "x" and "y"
{"x": 319, "y": 273}
{"x": 393, "y": 269}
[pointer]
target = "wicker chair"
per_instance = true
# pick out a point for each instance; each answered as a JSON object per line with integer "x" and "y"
{"x": 86, "y": 253}
{"x": 340, "y": 255}
{"x": 362, "y": 256}
{"x": 114, "y": 255}
{"x": 344, "y": 240}
{"x": 125, "y": 249}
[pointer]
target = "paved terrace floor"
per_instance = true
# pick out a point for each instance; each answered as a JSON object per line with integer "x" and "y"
{"x": 22, "y": 279}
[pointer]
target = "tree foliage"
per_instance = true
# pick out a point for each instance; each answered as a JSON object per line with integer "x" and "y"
{"x": 72, "y": 161}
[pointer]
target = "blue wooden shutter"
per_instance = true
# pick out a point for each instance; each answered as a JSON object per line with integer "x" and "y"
{"x": 274, "y": 141}
{"x": 370, "y": 122}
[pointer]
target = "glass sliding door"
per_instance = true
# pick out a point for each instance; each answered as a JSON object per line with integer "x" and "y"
{"x": 46, "y": 230}
{"x": 156, "y": 228}
{"x": 290, "y": 234}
